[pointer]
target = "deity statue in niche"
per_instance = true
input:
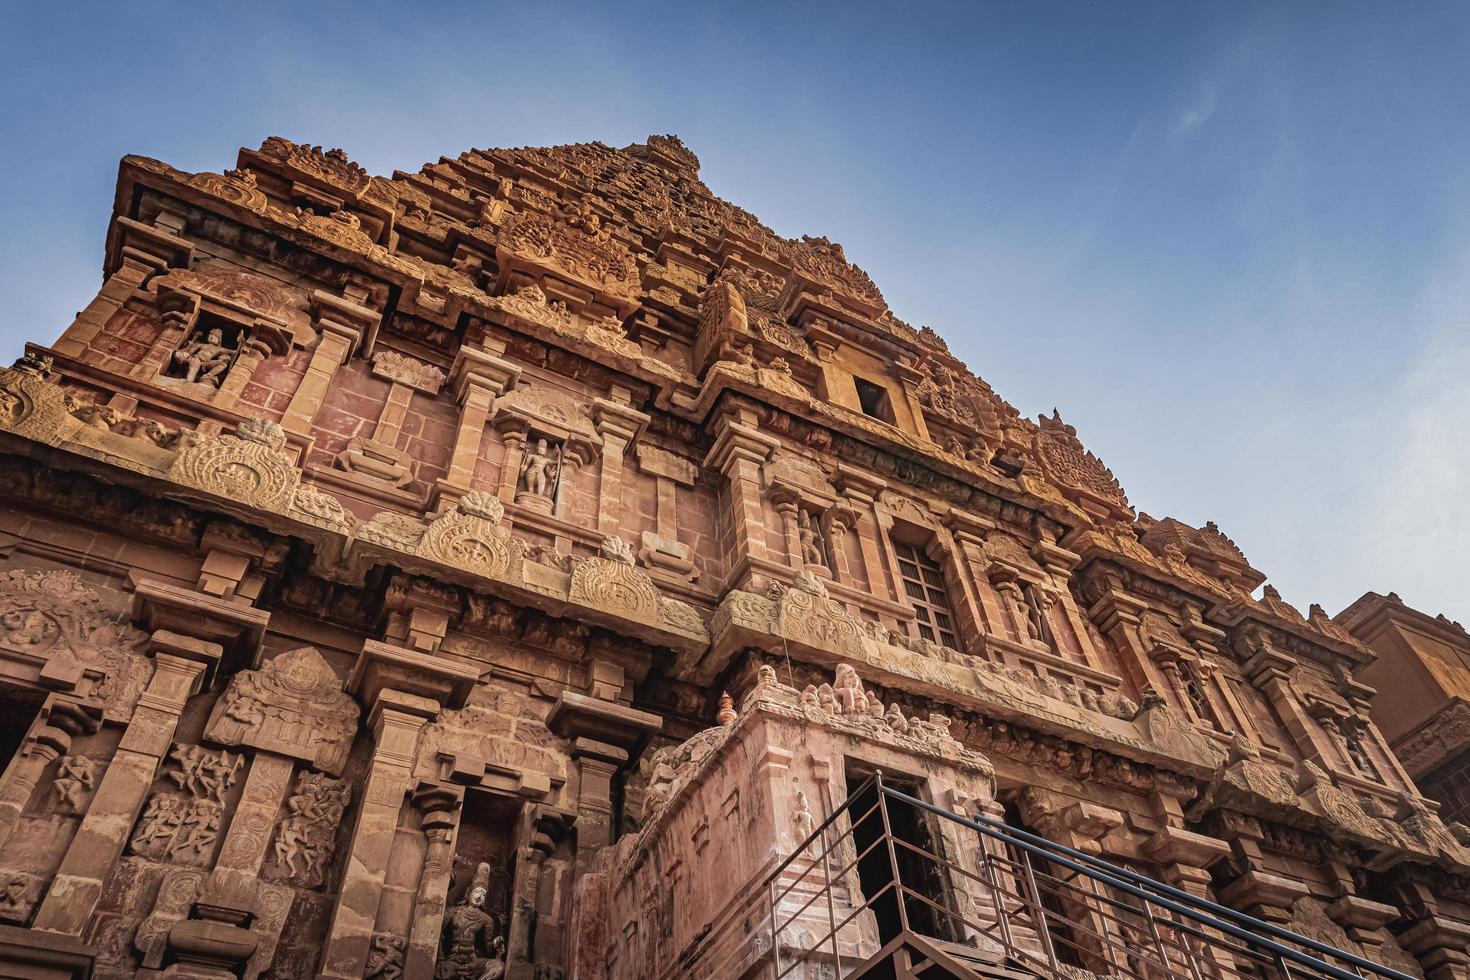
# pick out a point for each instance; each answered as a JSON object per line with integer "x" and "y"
{"x": 205, "y": 358}
{"x": 471, "y": 947}
{"x": 540, "y": 469}
{"x": 1352, "y": 740}
{"x": 812, "y": 552}
{"x": 1194, "y": 690}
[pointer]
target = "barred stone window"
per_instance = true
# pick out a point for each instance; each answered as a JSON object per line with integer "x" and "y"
{"x": 923, "y": 581}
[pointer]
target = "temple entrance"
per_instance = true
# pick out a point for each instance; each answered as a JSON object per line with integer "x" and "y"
{"x": 916, "y": 872}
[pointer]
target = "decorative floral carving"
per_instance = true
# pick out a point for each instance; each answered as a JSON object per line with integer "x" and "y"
{"x": 293, "y": 706}
{"x": 529, "y": 302}
{"x": 573, "y": 243}
{"x": 470, "y": 537}
{"x": 235, "y": 186}
{"x": 807, "y": 614}
{"x": 330, "y": 167}
{"x": 824, "y": 261}
{"x": 340, "y": 228}
{"x": 175, "y": 897}
{"x": 52, "y": 615}
{"x": 402, "y": 369}
{"x": 612, "y": 583}
{"x": 315, "y": 506}
{"x": 307, "y": 836}
{"x": 248, "y": 467}
{"x": 32, "y": 405}
{"x": 1071, "y": 467}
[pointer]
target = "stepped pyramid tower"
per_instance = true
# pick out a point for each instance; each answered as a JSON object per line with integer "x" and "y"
{"x": 505, "y": 569}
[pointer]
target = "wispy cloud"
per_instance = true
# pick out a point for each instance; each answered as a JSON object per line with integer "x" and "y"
{"x": 1424, "y": 468}
{"x": 1197, "y": 113}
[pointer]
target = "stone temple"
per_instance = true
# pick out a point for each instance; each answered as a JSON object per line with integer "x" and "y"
{"x": 535, "y": 567}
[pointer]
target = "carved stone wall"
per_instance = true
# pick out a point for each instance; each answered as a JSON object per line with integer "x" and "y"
{"x": 396, "y": 575}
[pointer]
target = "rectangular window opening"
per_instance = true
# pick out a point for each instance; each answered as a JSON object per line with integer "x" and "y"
{"x": 874, "y": 400}
{"x": 923, "y": 583}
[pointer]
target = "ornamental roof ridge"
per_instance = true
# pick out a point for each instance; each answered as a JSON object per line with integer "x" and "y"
{"x": 634, "y": 202}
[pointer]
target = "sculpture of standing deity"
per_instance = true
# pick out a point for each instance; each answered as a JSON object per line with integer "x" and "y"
{"x": 539, "y": 469}
{"x": 471, "y": 947}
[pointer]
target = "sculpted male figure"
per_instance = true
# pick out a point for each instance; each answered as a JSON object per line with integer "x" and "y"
{"x": 471, "y": 946}
{"x": 205, "y": 361}
{"x": 538, "y": 471}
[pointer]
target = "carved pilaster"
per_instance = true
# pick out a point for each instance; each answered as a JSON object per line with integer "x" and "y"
{"x": 60, "y": 720}
{"x": 440, "y": 807}
{"x": 179, "y": 666}
{"x": 403, "y": 691}
{"x": 606, "y": 737}
{"x": 739, "y": 452}
{"x": 396, "y": 719}
{"x": 477, "y": 378}
{"x": 142, "y": 252}
{"x": 619, "y": 425}
{"x": 341, "y": 325}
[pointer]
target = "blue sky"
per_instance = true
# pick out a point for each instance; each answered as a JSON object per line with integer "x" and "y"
{"x": 1228, "y": 241}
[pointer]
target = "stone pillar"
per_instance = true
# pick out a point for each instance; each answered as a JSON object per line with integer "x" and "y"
{"x": 1254, "y": 891}
{"x": 253, "y": 351}
{"x": 477, "y": 378}
{"x": 145, "y": 251}
{"x": 178, "y": 312}
{"x": 513, "y": 438}
{"x": 1270, "y": 671}
{"x": 396, "y": 718}
{"x": 739, "y": 452}
{"x": 1118, "y": 615}
{"x": 787, "y": 504}
{"x": 619, "y": 425}
{"x": 441, "y": 807}
{"x": 861, "y": 493}
{"x": 179, "y": 666}
{"x": 1059, "y": 564}
{"x": 606, "y": 736}
{"x": 837, "y": 521}
{"x": 525, "y": 889}
{"x": 1080, "y": 826}
{"x": 60, "y": 720}
{"x": 338, "y": 340}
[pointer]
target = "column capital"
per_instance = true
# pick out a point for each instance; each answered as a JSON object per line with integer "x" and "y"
{"x": 737, "y": 443}
{"x": 184, "y": 616}
{"x": 475, "y": 368}
{"x": 618, "y": 420}
{"x": 581, "y": 717}
{"x": 382, "y": 667}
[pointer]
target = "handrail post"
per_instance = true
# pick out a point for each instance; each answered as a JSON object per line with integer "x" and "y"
{"x": 1002, "y": 921}
{"x": 898, "y": 896}
{"x": 1038, "y": 913}
{"x": 1153, "y": 930}
{"x": 831, "y": 912}
{"x": 775, "y": 942}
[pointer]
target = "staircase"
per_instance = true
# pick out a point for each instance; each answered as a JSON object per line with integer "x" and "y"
{"x": 870, "y": 894}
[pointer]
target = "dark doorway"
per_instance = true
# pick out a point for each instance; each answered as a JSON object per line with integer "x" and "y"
{"x": 1047, "y": 875}
{"x": 917, "y": 872}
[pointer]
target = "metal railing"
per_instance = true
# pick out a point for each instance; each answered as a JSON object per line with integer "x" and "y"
{"x": 984, "y": 892}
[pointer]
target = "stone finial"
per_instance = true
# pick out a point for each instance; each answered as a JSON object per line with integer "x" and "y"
{"x": 727, "y": 709}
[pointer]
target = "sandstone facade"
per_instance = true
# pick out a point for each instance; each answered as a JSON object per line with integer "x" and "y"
{"x": 497, "y": 569}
